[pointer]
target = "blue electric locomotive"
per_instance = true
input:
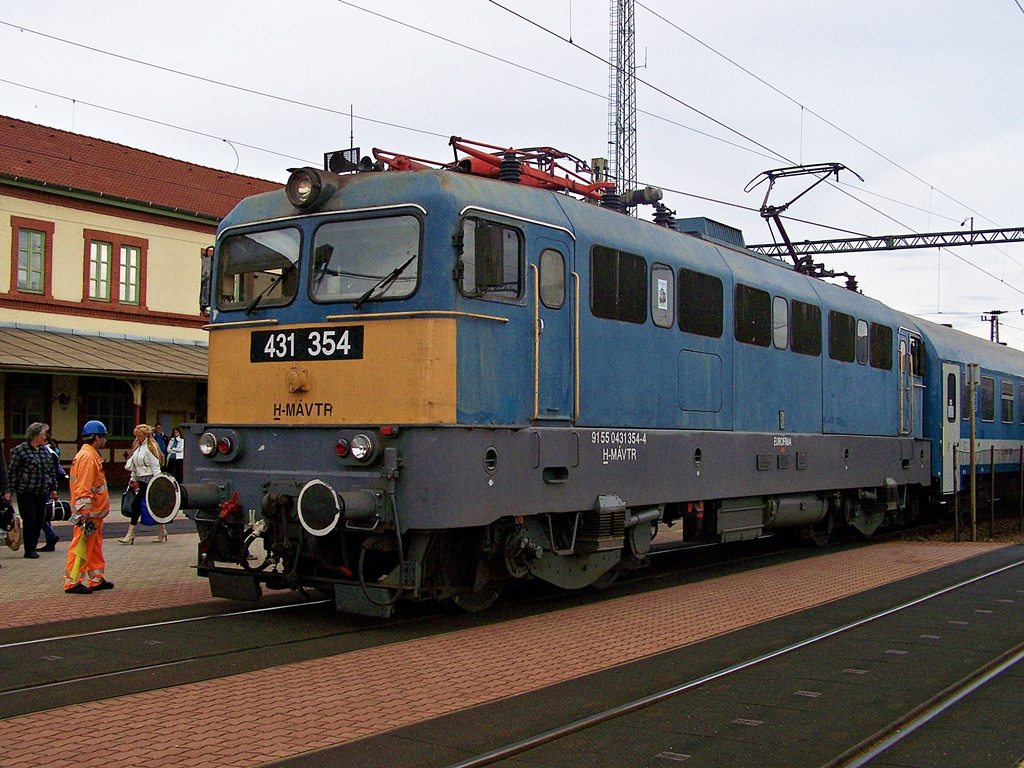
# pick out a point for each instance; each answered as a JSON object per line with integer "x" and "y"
{"x": 428, "y": 381}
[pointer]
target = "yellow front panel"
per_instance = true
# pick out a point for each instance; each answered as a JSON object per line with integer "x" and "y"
{"x": 406, "y": 376}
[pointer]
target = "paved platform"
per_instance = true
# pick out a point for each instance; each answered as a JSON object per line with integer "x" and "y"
{"x": 146, "y": 575}
{"x": 258, "y": 717}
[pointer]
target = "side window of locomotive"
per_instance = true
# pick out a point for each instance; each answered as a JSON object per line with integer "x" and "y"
{"x": 753, "y": 316}
{"x": 806, "y": 320}
{"x": 780, "y": 322}
{"x": 258, "y": 268}
{"x": 365, "y": 259}
{"x": 842, "y": 341}
{"x": 1007, "y": 397}
{"x": 881, "y": 346}
{"x": 491, "y": 261}
{"x": 951, "y": 398}
{"x": 552, "y": 278}
{"x": 701, "y": 300}
{"x": 662, "y": 296}
{"x": 862, "y": 342}
{"x": 618, "y": 285}
{"x": 988, "y": 398}
{"x": 917, "y": 355}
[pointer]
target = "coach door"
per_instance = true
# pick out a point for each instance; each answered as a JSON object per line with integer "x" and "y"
{"x": 950, "y": 422}
{"x": 554, "y": 306}
{"x": 911, "y": 359}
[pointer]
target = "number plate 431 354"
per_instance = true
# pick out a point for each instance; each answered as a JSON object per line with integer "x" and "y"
{"x": 336, "y": 342}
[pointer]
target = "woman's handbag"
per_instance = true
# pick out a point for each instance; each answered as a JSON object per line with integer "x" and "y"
{"x": 127, "y": 500}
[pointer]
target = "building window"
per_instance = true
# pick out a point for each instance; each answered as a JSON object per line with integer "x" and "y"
{"x": 115, "y": 269}
{"x": 128, "y": 280}
{"x": 26, "y": 398}
{"x": 109, "y": 401}
{"x": 99, "y": 270}
{"x": 31, "y": 256}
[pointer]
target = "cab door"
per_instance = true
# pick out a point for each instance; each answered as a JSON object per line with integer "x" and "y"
{"x": 554, "y": 302}
{"x": 950, "y": 423}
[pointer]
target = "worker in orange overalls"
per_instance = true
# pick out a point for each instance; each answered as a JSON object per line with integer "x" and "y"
{"x": 90, "y": 503}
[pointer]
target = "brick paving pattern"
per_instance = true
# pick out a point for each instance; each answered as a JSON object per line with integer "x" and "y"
{"x": 249, "y": 718}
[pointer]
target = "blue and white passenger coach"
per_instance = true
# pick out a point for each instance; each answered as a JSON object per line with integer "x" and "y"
{"x": 427, "y": 381}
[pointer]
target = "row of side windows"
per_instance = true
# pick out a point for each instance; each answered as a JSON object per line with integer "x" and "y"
{"x": 987, "y": 392}
{"x": 110, "y": 260}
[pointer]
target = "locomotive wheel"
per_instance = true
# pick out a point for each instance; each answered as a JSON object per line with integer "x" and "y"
{"x": 821, "y": 531}
{"x": 606, "y": 579}
{"x": 475, "y": 602}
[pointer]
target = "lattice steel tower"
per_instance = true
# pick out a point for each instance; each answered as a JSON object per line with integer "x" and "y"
{"x": 622, "y": 98}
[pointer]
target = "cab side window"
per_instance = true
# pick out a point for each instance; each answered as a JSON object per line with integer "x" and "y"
{"x": 491, "y": 262}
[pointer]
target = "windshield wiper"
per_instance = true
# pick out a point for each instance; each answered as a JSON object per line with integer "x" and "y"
{"x": 384, "y": 282}
{"x": 273, "y": 284}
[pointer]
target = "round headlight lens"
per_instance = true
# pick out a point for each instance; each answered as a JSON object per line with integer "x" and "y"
{"x": 303, "y": 188}
{"x": 361, "y": 447}
{"x": 207, "y": 444}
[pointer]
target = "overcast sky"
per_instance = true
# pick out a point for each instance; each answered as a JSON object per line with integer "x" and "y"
{"x": 925, "y": 100}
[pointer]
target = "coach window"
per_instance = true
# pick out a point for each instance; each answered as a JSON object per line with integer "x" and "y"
{"x": 965, "y": 396}
{"x": 753, "y": 316}
{"x": 842, "y": 343}
{"x": 490, "y": 264}
{"x": 988, "y": 398}
{"x": 1007, "y": 396}
{"x": 881, "y": 346}
{"x": 662, "y": 296}
{"x": 618, "y": 285}
{"x": 552, "y": 278}
{"x": 806, "y": 320}
{"x": 700, "y": 304}
{"x": 862, "y": 342}
{"x": 780, "y": 322}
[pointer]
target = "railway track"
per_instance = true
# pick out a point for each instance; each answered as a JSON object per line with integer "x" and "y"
{"x": 871, "y": 746}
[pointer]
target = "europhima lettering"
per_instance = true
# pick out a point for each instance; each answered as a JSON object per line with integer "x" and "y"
{"x": 286, "y": 410}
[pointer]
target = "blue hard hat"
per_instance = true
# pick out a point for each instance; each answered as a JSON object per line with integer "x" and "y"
{"x": 93, "y": 427}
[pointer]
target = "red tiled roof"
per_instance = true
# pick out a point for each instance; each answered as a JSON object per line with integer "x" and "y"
{"x": 57, "y": 158}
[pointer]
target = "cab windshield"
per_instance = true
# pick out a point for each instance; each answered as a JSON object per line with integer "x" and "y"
{"x": 258, "y": 269}
{"x": 365, "y": 260}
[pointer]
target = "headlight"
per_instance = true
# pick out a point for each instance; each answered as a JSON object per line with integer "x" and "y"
{"x": 307, "y": 188}
{"x": 361, "y": 448}
{"x": 208, "y": 444}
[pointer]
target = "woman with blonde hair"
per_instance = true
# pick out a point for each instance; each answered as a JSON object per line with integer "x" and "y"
{"x": 144, "y": 463}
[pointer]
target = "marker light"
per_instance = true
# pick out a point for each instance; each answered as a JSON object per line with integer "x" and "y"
{"x": 341, "y": 447}
{"x": 224, "y": 445}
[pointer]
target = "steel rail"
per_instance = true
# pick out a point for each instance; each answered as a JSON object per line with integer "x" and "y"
{"x": 510, "y": 750}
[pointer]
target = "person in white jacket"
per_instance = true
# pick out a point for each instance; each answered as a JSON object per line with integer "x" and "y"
{"x": 144, "y": 463}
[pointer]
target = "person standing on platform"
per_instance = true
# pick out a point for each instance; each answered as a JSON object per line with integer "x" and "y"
{"x": 176, "y": 454}
{"x": 51, "y": 536}
{"x": 144, "y": 463}
{"x": 32, "y": 477}
{"x": 90, "y": 502}
{"x": 161, "y": 438}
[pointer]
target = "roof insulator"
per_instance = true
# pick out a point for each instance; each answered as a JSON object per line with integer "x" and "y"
{"x": 508, "y": 169}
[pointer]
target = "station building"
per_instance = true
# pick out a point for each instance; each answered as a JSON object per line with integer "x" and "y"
{"x": 99, "y": 300}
